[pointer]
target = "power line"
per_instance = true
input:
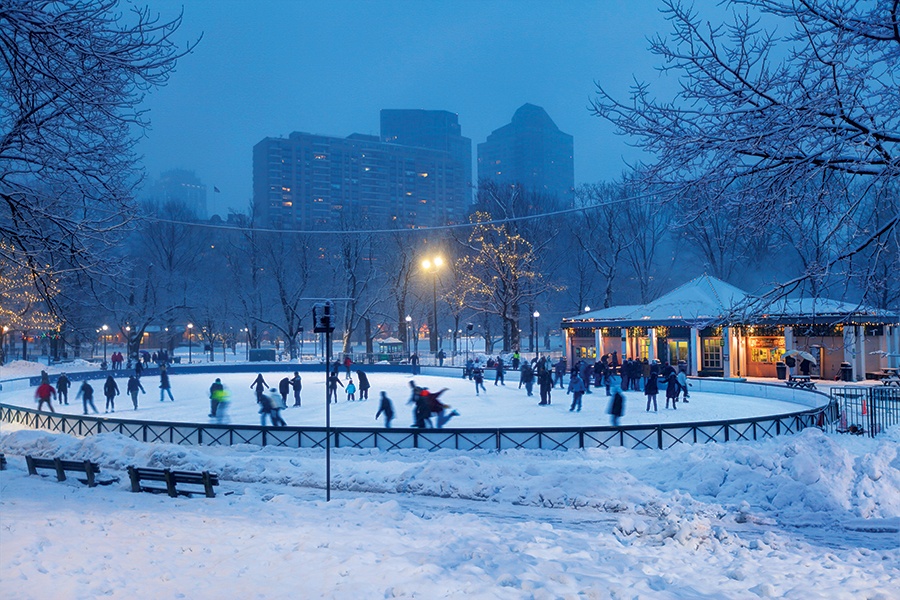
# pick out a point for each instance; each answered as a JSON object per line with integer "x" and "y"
{"x": 504, "y": 220}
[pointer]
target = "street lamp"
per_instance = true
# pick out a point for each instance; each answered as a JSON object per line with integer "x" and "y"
{"x": 536, "y": 333}
{"x": 433, "y": 266}
{"x": 105, "y": 328}
{"x": 3, "y": 333}
{"x": 408, "y": 325}
{"x": 587, "y": 309}
{"x": 190, "y": 342}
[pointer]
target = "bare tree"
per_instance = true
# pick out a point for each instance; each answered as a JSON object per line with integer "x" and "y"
{"x": 287, "y": 268}
{"x": 776, "y": 108}
{"x": 72, "y": 74}
{"x": 599, "y": 235}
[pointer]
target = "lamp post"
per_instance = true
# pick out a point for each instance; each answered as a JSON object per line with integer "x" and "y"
{"x": 3, "y": 333}
{"x": 105, "y": 328}
{"x": 190, "y": 327}
{"x": 433, "y": 265}
{"x": 408, "y": 323}
{"x": 536, "y": 333}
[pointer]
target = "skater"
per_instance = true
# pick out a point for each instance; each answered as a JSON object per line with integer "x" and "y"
{"x": 545, "y": 384}
{"x": 138, "y": 369}
{"x": 110, "y": 390}
{"x": 470, "y": 364}
{"x": 214, "y": 394}
{"x": 164, "y": 386}
{"x": 333, "y": 382}
{"x": 259, "y": 384}
{"x": 363, "y": 385}
{"x": 132, "y": 387}
{"x": 498, "y": 378}
{"x": 527, "y": 377}
{"x": 478, "y": 378}
{"x": 87, "y": 394}
{"x": 219, "y": 395}
{"x": 270, "y": 406}
{"x": 421, "y": 406}
{"x": 284, "y": 388}
{"x": 441, "y": 355}
{"x": 559, "y": 373}
{"x": 351, "y": 391}
{"x": 672, "y": 390}
{"x": 62, "y": 389}
{"x": 651, "y": 389}
{"x": 296, "y": 385}
{"x": 683, "y": 385}
{"x": 440, "y": 409}
{"x": 576, "y": 388}
{"x": 45, "y": 393}
{"x": 616, "y": 405}
{"x": 387, "y": 409}
{"x": 414, "y": 363}
{"x": 347, "y": 364}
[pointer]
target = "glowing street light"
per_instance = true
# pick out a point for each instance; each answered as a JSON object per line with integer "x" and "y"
{"x": 408, "y": 325}
{"x": 535, "y": 333}
{"x": 433, "y": 265}
{"x": 105, "y": 328}
{"x": 190, "y": 327}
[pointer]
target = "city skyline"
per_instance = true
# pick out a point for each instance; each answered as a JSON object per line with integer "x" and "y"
{"x": 330, "y": 70}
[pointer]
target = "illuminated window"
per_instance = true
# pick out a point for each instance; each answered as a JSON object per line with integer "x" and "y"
{"x": 423, "y": 174}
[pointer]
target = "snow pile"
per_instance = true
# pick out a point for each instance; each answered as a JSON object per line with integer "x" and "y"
{"x": 788, "y": 517}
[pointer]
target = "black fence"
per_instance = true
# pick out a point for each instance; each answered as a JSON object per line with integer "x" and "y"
{"x": 863, "y": 410}
{"x": 633, "y": 437}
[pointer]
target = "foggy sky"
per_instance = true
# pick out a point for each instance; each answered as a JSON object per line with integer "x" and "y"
{"x": 269, "y": 68}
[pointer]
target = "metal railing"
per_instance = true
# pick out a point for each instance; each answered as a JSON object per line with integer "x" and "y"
{"x": 553, "y": 438}
{"x": 862, "y": 410}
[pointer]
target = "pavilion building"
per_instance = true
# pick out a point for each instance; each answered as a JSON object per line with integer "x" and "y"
{"x": 719, "y": 330}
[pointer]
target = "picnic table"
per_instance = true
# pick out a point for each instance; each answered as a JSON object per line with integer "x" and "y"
{"x": 889, "y": 381}
{"x": 801, "y": 382}
{"x": 890, "y": 372}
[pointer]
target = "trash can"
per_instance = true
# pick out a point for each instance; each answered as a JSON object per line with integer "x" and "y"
{"x": 846, "y": 372}
{"x": 781, "y": 370}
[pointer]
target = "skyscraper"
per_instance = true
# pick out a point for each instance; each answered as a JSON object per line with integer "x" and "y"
{"x": 180, "y": 185}
{"x": 530, "y": 151}
{"x": 435, "y": 129}
{"x": 415, "y": 176}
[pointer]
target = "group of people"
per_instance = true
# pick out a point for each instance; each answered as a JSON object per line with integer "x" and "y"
{"x": 116, "y": 361}
{"x": 45, "y": 392}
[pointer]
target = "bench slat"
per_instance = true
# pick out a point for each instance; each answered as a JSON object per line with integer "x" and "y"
{"x": 172, "y": 479}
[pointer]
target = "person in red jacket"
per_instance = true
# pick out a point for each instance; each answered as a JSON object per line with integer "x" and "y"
{"x": 45, "y": 393}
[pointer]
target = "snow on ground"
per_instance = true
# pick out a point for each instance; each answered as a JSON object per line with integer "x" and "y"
{"x": 500, "y": 406}
{"x": 806, "y": 516}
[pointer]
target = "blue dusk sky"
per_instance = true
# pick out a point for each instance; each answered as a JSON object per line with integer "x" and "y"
{"x": 268, "y": 68}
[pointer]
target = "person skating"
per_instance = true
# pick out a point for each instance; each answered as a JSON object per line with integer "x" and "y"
{"x": 545, "y": 384}
{"x": 110, "y": 390}
{"x": 421, "y": 406}
{"x": 259, "y": 385}
{"x": 132, "y": 388}
{"x": 616, "y": 405}
{"x": 651, "y": 390}
{"x": 164, "y": 386}
{"x": 439, "y": 408}
{"x": 498, "y": 366}
{"x": 284, "y": 388}
{"x": 683, "y": 385}
{"x": 297, "y": 386}
{"x": 478, "y": 378}
{"x": 363, "y": 385}
{"x": 348, "y": 362}
{"x": 351, "y": 391}
{"x": 219, "y": 395}
{"x": 527, "y": 377}
{"x": 559, "y": 373}
{"x": 45, "y": 393}
{"x": 672, "y": 390}
{"x": 214, "y": 391}
{"x": 86, "y": 392}
{"x": 62, "y": 389}
{"x": 269, "y": 405}
{"x": 333, "y": 382}
{"x": 576, "y": 388}
{"x": 386, "y": 408}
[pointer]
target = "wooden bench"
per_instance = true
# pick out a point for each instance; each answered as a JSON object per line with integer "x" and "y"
{"x": 889, "y": 381}
{"x": 172, "y": 479}
{"x": 2, "y": 462}
{"x": 90, "y": 469}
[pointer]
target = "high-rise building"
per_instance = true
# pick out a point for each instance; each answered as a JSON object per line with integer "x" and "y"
{"x": 417, "y": 178}
{"x": 435, "y": 129}
{"x": 532, "y": 152}
{"x": 180, "y": 185}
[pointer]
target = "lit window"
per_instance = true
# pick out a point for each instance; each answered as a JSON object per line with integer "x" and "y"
{"x": 423, "y": 174}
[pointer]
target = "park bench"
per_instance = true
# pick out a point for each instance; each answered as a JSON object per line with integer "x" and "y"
{"x": 2, "y": 462}
{"x": 90, "y": 469}
{"x": 803, "y": 382}
{"x": 172, "y": 479}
